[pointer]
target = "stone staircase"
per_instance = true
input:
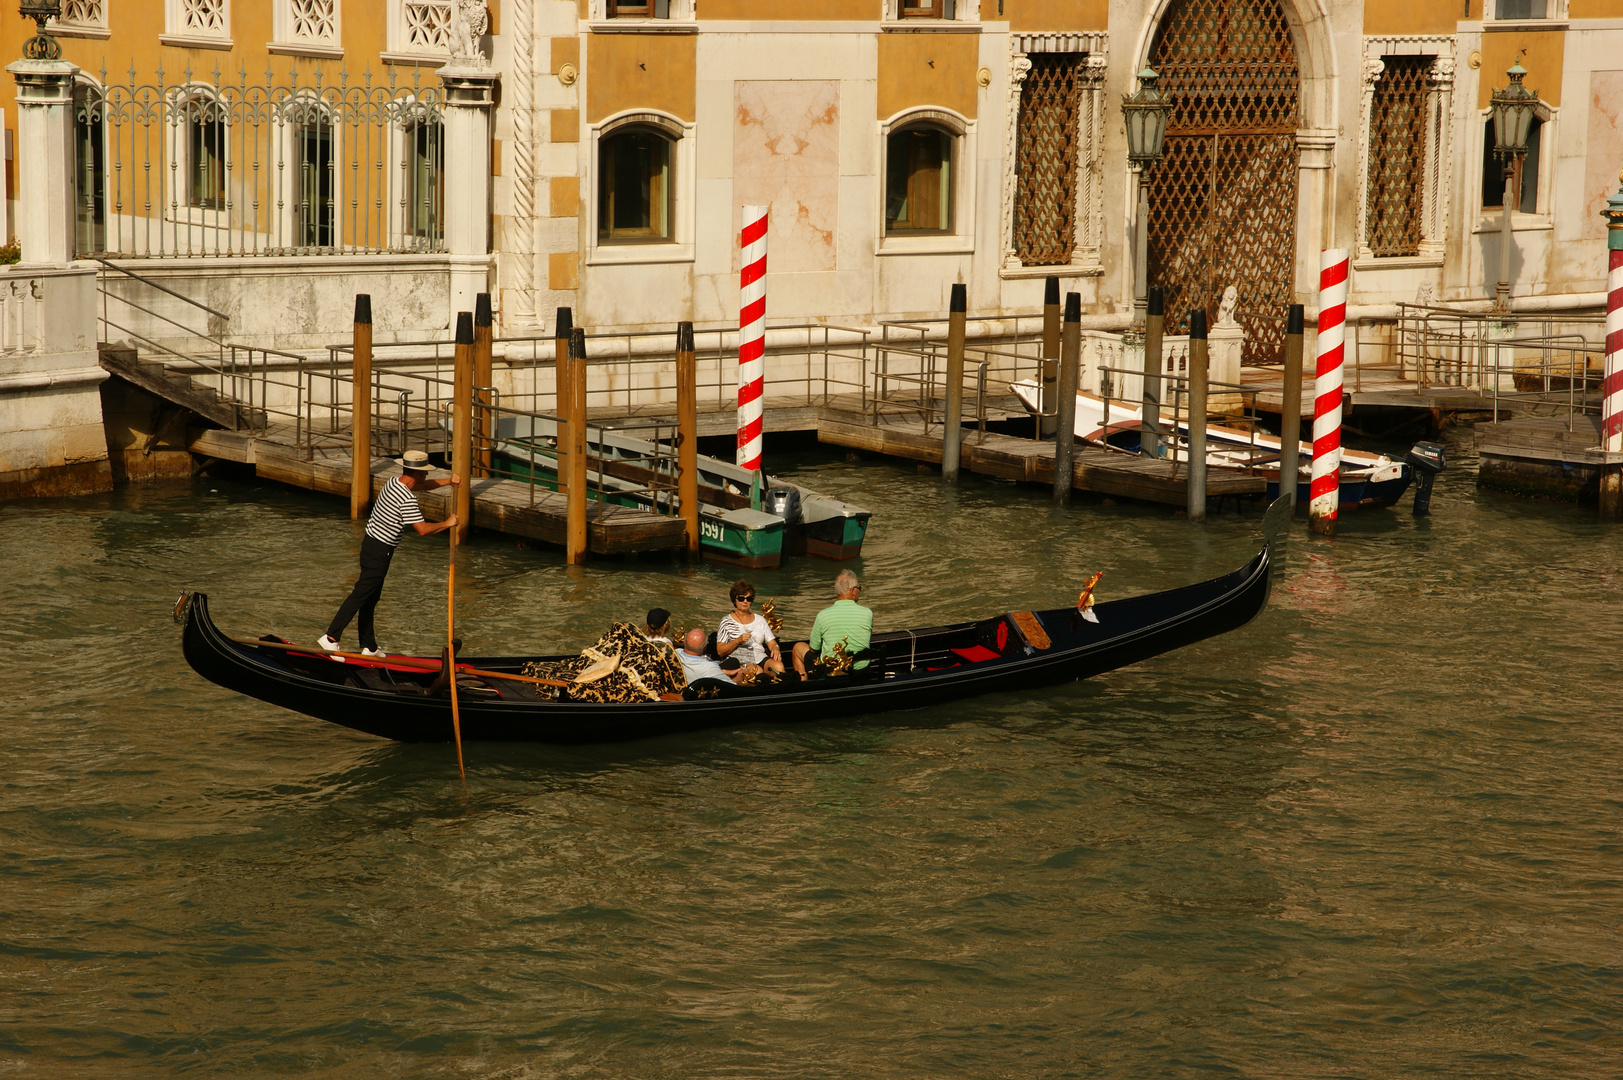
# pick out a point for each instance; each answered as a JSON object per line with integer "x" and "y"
{"x": 190, "y": 392}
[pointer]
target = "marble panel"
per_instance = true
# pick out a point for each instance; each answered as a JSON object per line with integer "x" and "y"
{"x": 1603, "y": 149}
{"x": 786, "y": 155}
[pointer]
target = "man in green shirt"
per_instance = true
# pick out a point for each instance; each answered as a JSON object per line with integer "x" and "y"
{"x": 844, "y": 620}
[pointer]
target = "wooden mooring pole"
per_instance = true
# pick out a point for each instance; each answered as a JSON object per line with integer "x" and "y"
{"x": 575, "y": 548}
{"x": 1149, "y": 438}
{"x": 1049, "y": 379}
{"x": 687, "y": 434}
{"x": 560, "y": 387}
{"x": 360, "y": 477}
{"x": 481, "y": 379}
{"x": 1070, "y": 373}
{"x": 1290, "y": 409}
{"x": 462, "y": 425}
{"x": 1198, "y": 364}
{"x": 952, "y": 426}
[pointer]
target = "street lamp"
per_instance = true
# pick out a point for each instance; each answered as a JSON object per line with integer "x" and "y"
{"x": 41, "y": 46}
{"x": 1512, "y": 118}
{"x": 1145, "y": 112}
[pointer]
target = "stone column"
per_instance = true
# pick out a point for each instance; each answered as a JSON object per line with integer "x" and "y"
{"x": 469, "y": 97}
{"x": 45, "y": 159}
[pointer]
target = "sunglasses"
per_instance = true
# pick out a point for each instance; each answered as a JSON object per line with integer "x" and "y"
{"x": 743, "y": 599}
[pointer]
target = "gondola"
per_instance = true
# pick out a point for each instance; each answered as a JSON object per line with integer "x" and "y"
{"x": 1006, "y": 654}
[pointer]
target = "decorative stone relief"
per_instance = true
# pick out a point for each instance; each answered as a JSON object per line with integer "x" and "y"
{"x": 469, "y": 21}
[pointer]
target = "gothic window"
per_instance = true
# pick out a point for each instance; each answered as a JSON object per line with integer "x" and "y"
{"x": 426, "y": 25}
{"x": 205, "y": 153}
{"x": 919, "y": 190}
{"x": 83, "y": 14}
{"x": 206, "y": 17}
{"x": 307, "y": 22}
{"x": 1526, "y": 178}
{"x": 423, "y": 193}
{"x": 635, "y": 193}
{"x": 1046, "y": 159}
{"x": 90, "y": 170}
{"x": 1397, "y": 156}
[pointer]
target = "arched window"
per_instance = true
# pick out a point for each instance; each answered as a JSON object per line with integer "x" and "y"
{"x": 634, "y": 189}
{"x": 1493, "y": 170}
{"x": 90, "y": 169}
{"x": 919, "y": 180}
{"x": 203, "y": 122}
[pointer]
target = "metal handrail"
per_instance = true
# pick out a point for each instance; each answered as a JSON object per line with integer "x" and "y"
{"x": 161, "y": 288}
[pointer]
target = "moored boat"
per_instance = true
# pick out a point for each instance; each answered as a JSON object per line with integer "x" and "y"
{"x": 1014, "y": 652}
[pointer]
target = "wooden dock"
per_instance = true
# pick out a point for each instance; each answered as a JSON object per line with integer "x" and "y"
{"x": 1546, "y": 457}
{"x": 508, "y": 506}
{"x": 1006, "y": 457}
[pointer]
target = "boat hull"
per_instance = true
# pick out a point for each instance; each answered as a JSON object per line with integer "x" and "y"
{"x": 910, "y": 670}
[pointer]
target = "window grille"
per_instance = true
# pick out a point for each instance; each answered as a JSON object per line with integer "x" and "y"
{"x": 1046, "y": 159}
{"x": 202, "y": 17}
{"x": 91, "y": 13}
{"x": 1397, "y": 156}
{"x": 1223, "y": 198}
{"x": 313, "y": 20}
{"x": 428, "y": 25}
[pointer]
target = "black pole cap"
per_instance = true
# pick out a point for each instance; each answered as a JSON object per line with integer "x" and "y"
{"x": 464, "y": 328}
{"x": 1157, "y": 301}
{"x": 1051, "y": 291}
{"x": 363, "y": 308}
{"x": 1197, "y": 324}
{"x": 1073, "y": 307}
{"x": 960, "y": 298}
{"x": 684, "y": 337}
{"x": 1293, "y": 319}
{"x": 577, "y": 344}
{"x": 481, "y": 309}
{"x": 566, "y": 322}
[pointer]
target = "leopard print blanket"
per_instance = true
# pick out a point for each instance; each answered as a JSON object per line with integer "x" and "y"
{"x": 645, "y": 669}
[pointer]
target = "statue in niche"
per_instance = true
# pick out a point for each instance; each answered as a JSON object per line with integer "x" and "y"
{"x": 1225, "y": 307}
{"x": 469, "y": 21}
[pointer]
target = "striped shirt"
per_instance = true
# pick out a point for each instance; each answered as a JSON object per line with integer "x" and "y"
{"x": 844, "y": 620}
{"x": 752, "y": 651}
{"x": 395, "y": 509}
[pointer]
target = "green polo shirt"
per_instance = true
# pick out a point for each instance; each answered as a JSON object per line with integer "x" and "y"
{"x": 844, "y": 620}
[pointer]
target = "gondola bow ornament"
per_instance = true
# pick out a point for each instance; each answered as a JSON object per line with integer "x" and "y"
{"x": 1084, "y": 602}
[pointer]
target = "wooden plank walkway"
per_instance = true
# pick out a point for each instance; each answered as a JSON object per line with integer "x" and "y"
{"x": 508, "y": 506}
{"x": 1371, "y": 386}
{"x": 1009, "y": 458}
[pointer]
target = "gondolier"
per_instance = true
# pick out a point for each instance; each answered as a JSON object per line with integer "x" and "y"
{"x": 396, "y": 507}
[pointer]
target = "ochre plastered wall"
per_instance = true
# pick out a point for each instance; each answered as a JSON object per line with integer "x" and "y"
{"x": 1595, "y": 9}
{"x": 1539, "y": 51}
{"x": 1396, "y": 17}
{"x": 936, "y": 69}
{"x": 1055, "y": 15}
{"x": 640, "y": 71}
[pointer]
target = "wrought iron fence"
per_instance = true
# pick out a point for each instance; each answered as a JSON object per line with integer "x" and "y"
{"x": 212, "y": 166}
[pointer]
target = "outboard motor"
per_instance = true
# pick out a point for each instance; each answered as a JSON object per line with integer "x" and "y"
{"x": 1426, "y": 459}
{"x": 783, "y": 502}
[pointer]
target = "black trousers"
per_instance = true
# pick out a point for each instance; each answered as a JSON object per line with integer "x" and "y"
{"x": 375, "y": 556}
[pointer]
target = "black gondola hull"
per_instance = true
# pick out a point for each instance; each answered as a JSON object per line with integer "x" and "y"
{"x": 1129, "y": 631}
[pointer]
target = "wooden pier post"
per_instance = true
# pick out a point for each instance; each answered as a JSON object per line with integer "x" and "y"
{"x": 575, "y": 548}
{"x": 462, "y": 425}
{"x": 360, "y": 451}
{"x": 1198, "y": 364}
{"x": 687, "y": 438}
{"x": 1070, "y": 372}
{"x": 560, "y": 384}
{"x": 952, "y": 427}
{"x": 481, "y": 379}
{"x": 1049, "y": 376}
{"x": 1149, "y": 438}
{"x": 1290, "y": 409}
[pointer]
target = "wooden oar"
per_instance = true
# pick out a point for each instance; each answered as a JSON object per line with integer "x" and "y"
{"x": 420, "y": 663}
{"x": 450, "y": 653}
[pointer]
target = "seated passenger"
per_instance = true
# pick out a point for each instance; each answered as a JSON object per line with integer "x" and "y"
{"x": 658, "y": 626}
{"x": 695, "y": 664}
{"x": 845, "y": 621}
{"x": 746, "y": 637}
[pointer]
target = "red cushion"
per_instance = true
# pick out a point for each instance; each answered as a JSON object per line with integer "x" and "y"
{"x": 975, "y": 654}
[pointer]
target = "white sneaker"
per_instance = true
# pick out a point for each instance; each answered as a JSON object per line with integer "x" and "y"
{"x": 376, "y": 654}
{"x": 327, "y": 643}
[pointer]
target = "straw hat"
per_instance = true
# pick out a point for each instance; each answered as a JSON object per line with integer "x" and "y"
{"x": 414, "y": 461}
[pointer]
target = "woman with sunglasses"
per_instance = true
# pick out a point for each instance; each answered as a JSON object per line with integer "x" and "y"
{"x": 745, "y": 637}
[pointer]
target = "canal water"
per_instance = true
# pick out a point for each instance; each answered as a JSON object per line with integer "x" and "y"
{"x": 1375, "y": 833}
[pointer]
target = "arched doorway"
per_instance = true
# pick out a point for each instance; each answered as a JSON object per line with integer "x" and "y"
{"x": 1223, "y": 197}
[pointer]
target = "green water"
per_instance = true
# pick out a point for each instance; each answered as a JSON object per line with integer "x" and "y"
{"x": 1375, "y": 833}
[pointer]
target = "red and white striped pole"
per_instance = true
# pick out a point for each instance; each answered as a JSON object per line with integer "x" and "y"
{"x": 1611, "y": 410}
{"x": 1325, "y": 492}
{"x": 751, "y": 335}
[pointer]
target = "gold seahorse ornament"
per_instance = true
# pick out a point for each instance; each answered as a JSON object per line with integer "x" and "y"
{"x": 1084, "y": 602}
